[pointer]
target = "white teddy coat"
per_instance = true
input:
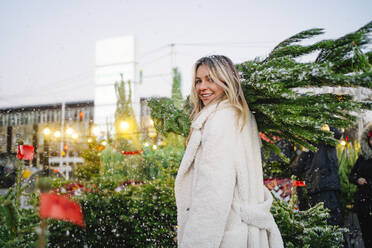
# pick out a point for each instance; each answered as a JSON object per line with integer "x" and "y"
{"x": 220, "y": 195}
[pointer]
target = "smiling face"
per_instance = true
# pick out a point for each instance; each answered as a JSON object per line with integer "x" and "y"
{"x": 206, "y": 88}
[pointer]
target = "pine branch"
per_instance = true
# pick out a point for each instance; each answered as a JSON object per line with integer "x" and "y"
{"x": 298, "y": 50}
{"x": 344, "y": 45}
{"x": 297, "y": 38}
{"x": 167, "y": 118}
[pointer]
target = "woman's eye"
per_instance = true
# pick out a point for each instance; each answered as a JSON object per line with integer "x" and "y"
{"x": 197, "y": 81}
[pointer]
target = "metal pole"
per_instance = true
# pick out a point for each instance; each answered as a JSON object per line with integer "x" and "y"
{"x": 173, "y": 56}
{"x": 62, "y": 134}
{"x": 46, "y": 153}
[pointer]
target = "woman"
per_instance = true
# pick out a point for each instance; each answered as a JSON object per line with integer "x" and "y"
{"x": 220, "y": 195}
{"x": 361, "y": 175}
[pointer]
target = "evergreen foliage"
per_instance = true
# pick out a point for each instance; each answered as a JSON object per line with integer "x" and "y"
{"x": 273, "y": 165}
{"x": 92, "y": 162}
{"x": 306, "y": 228}
{"x": 347, "y": 156}
{"x": 270, "y": 86}
{"x": 17, "y": 225}
{"x": 171, "y": 138}
{"x": 162, "y": 163}
{"x": 167, "y": 118}
{"x": 126, "y": 139}
{"x": 117, "y": 168}
{"x": 176, "y": 89}
{"x": 272, "y": 89}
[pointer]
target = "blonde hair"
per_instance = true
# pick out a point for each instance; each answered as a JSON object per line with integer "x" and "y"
{"x": 223, "y": 72}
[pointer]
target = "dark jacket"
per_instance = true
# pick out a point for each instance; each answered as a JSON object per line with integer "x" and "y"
{"x": 322, "y": 174}
{"x": 320, "y": 168}
{"x": 303, "y": 164}
{"x": 363, "y": 168}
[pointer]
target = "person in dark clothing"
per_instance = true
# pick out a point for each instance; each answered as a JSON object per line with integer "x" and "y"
{"x": 361, "y": 175}
{"x": 322, "y": 178}
{"x": 299, "y": 166}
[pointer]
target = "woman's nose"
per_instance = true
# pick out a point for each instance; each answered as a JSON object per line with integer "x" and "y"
{"x": 202, "y": 85}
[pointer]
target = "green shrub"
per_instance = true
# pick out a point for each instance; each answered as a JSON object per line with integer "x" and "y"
{"x": 138, "y": 216}
{"x": 306, "y": 228}
{"x": 162, "y": 163}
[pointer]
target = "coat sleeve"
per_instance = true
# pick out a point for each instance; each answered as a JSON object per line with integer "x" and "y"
{"x": 214, "y": 185}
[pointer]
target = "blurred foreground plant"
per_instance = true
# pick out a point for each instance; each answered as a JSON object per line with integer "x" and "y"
{"x": 347, "y": 155}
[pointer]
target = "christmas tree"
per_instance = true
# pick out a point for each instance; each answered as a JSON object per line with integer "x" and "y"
{"x": 280, "y": 91}
{"x": 127, "y": 133}
{"x": 176, "y": 89}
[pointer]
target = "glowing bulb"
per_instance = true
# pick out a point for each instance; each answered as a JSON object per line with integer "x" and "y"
{"x": 154, "y": 147}
{"x": 90, "y": 140}
{"x": 57, "y": 134}
{"x": 75, "y": 136}
{"x": 342, "y": 142}
{"x": 124, "y": 125}
{"x": 69, "y": 131}
{"x": 146, "y": 144}
{"x": 104, "y": 143}
{"x": 46, "y": 131}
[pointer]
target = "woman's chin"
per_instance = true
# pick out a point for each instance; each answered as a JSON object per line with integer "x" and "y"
{"x": 205, "y": 102}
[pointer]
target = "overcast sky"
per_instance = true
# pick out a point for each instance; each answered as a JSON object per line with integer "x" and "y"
{"x": 47, "y": 48}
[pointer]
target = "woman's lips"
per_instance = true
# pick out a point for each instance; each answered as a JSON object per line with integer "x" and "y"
{"x": 205, "y": 96}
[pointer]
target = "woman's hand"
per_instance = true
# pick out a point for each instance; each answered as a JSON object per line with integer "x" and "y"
{"x": 362, "y": 181}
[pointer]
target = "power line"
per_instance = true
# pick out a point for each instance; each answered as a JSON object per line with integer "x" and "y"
{"x": 157, "y": 75}
{"x": 154, "y": 60}
{"x": 153, "y": 51}
{"x": 53, "y": 87}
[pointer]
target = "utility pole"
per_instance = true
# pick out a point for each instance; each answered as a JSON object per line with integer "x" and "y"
{"x": 173, "y": 55}
{"x": 62, "y": 134}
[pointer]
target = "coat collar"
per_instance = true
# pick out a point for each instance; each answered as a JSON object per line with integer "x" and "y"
{"x": 206, "y": 112}
{"x": 195, "y": 138}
